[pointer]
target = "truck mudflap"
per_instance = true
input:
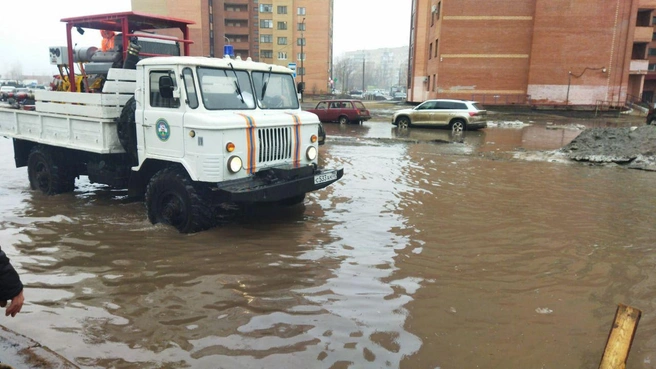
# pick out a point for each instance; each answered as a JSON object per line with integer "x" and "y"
{"x": 276, "y": 184}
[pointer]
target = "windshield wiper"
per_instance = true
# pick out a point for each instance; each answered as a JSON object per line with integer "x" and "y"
{"x": 264, "y": 87}
{"x": 237, "y": 83}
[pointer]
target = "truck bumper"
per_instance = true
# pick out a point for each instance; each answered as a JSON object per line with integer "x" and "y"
{"x": 275, "y": 184}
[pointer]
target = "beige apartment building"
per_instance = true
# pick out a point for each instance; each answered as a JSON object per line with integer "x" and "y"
{"x": 538, "y": 52}
{"x": 281, "y": 32}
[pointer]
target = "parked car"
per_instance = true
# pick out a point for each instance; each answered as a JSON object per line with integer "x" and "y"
{"x": 458, "y": 115}
{"x": 342, "y": 111}
{"x": 5, "y": 91}
{"x": 356, "y": 94}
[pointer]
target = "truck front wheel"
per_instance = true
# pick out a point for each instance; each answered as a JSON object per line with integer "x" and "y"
{"x": 173, "y": 199}
{"x": 48, "y": 172}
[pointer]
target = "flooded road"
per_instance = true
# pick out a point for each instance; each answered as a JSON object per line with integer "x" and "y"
{"x": 428, "y": 253}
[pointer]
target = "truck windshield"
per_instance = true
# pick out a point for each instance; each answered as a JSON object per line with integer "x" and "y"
{"x": 275, "y": 90}
{"x": 223, "y": 89}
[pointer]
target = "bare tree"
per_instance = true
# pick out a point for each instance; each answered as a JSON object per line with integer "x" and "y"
{"x": 343, "y": 69}
{"x": 16, "y": 72}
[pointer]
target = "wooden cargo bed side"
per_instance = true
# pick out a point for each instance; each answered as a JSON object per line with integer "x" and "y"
{"x": 117, "y": 90}
{"x": 69, "y": 131}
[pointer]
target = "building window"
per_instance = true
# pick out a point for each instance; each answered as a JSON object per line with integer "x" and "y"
{"x": 301, "y": 71}
{"x": 266, "y": 54}
{"x": 266, "y": 23}
{"x": 300, "y": 56}
{"x": 653, "y": 36}
{"x": 300, "y": 41}
{"x": 266, "y": 8}
{"x": 439, "y": 8}
{"x": 282, "y": 25}
{"x": 652, "y": 67}
{"x": 301, "y": 27}
{"x": 266, "y": 39}
{"x": 434, "y": 82}
{"x": 430, "y": 51}
{"x": 282, "y": 40}
{"x": 652, "y": 52}
{"x": 437, "y": 42}
{"x": 282, "y": 9}
{"x": 300, "y": 11}
{"x": 282, "y": 55}
{"x": 428, "y": 84}
{"x": 433, "y": 16}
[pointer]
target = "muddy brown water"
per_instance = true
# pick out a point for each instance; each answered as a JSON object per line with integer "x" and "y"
{"x": 426, "y": 254}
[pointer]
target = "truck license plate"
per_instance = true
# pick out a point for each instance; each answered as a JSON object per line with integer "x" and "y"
{"x": 322, "y": 178}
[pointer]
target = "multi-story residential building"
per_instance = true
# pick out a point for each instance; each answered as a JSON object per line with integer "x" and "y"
{"x": 541, "y": 52}
{"x": 383, "y": 68}
{"x": 281, "y": 32}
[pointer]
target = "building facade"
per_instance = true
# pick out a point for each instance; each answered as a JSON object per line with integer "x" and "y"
{"x": 540, "y": 52}
{"x": 280, "y": 32}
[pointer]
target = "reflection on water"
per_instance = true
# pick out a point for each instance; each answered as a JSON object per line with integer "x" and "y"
{"x": 424, "y": 255}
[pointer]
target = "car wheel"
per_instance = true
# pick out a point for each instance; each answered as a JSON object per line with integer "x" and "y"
{"x": 343, "y": 120}
{"x": 458, "y": 126}
{"x": 652, "y": 121}
{"x": 403, "y": 122}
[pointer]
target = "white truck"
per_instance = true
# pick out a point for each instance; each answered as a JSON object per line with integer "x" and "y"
{"x": 189, "y": 133}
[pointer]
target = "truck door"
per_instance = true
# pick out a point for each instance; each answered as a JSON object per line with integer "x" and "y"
{"x": 163, "y": 117}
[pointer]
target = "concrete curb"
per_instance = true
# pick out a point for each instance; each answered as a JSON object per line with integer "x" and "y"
{"x": 19, "y": 351}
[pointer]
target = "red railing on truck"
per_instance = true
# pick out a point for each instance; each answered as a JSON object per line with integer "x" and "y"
{"x": 128, "y": 23}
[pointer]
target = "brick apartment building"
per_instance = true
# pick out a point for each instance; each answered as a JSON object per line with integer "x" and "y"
{"x": 541, "y": 52}
{"x": 271, "y": 31}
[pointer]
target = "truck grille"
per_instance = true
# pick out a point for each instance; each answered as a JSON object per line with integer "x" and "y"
{"x": 274, "y": 144}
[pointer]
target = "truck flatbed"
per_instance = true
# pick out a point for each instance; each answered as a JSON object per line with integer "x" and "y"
{"x": 74, "y": 120}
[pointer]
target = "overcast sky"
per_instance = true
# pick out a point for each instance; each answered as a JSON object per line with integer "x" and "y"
{"x": 27, "y": 31}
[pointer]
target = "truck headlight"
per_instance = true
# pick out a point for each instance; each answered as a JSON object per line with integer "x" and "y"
{"x": 311, "y": 153}
{"x": 234, "y": 164}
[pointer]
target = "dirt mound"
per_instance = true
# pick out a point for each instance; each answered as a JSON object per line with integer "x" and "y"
{"x": 630, "y": 146}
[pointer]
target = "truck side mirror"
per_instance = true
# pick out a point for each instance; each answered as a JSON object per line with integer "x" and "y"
{"x": 301, "y": 87}
{"x": 166, "y": 87}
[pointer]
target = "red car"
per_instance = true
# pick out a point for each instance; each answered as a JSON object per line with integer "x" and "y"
{"x": 342, "y": 111}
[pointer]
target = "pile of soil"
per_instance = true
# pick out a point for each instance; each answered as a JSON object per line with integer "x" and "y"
{"x": 633, "y": 147}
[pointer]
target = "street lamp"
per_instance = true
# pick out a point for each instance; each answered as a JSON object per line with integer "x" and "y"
{"x": 302, "y": 57}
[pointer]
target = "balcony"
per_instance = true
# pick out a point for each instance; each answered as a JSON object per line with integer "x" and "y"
{"x": 643, "y": 34}
{"x": 229, "y": 16}
{"x": 639, "y": 66}
{"x": 240, "y": 45}
{"x": 237, "y": 30}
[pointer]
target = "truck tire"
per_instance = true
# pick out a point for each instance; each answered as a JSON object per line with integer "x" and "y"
{"x": 47, "y": 171}
{"x": 126, "y": 128}
{"x": 172, "y": 198}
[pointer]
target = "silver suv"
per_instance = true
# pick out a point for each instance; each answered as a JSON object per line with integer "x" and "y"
{"x": 458, "y": 115}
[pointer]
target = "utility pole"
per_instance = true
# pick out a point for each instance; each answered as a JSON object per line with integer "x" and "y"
{"x": 302, "y": 58}
{"x": 363, "y": 59}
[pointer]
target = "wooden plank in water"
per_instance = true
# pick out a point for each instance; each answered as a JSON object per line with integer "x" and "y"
{"x": 620, "y": 338}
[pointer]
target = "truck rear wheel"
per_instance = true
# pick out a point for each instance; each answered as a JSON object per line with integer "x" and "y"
{"x": 173, "y": 199}
{"x": 126, "y": 128}
{"x": 48, "y": 172}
